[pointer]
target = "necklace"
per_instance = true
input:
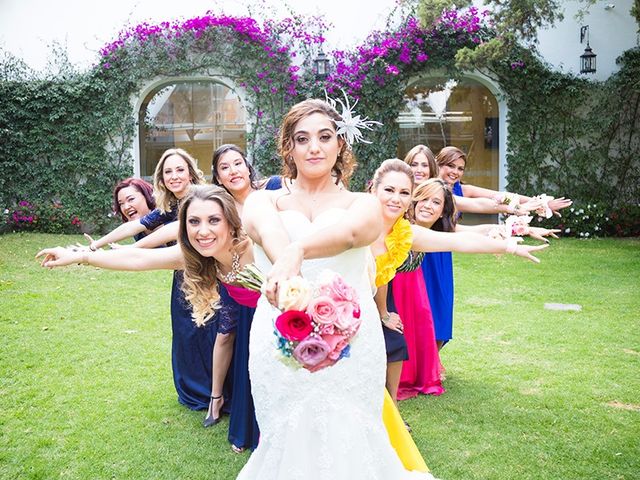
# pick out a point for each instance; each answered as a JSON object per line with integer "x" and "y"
{"x": 231, "y": 276}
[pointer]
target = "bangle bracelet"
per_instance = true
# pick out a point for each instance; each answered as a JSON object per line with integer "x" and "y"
{"x": 385, "y": 318}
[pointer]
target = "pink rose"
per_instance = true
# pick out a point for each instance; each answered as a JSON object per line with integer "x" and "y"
{"x": 311, "y": 351}
{"x": 323, "y": 310}
{"x": 336, "y": 344}
{"x": 346, "y": 317}
{"x": 294, "y": 325}
{"x": 327, "y": 362}
{"x": 335, "y": 287}
{"x": 327, "y": 329}
{"x": 520, "y": 230}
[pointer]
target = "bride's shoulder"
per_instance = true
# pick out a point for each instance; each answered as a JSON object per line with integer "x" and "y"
{"x": 364, "y": 200}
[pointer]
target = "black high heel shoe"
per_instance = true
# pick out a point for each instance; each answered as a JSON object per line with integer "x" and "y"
{"x": 210, "y": 420}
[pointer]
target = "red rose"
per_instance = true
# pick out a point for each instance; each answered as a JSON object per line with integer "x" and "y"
{"x": 294, "y": 325}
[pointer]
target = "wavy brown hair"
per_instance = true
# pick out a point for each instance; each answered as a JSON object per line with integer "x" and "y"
{"x": 200, "y": 284}
{"x": 427, "y": 189}
{"x": 448, "y": 155}
{"x": 165, "y": 199}
{"x": 426, "y": 151}
{"x": 345, "y": 163}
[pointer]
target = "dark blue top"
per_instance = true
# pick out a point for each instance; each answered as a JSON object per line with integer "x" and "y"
{"x": 154, "y": 219}
{"x": 274, "y": 183}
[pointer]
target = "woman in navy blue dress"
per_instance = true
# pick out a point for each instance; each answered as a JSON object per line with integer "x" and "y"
{"x": 191, "y": 346}
{"x": 232, "y": 171}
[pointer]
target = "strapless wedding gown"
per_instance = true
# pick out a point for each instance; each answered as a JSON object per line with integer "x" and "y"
{"x": 325, "y": 425}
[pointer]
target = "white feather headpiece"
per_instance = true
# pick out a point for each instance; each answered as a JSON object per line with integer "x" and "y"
{"x": 350, "y": 125}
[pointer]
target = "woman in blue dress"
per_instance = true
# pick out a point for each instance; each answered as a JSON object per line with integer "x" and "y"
{"x": 232, "y": 171}
{"x": 437, "y": 267}
{"x": 191, "y": 346}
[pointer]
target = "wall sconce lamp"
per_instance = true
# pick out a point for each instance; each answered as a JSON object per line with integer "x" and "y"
{"x": 321, "y": 66}
{"x": 588, "y": 58}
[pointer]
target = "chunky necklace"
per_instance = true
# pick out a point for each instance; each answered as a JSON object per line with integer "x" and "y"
{"x": 231, "y": 276}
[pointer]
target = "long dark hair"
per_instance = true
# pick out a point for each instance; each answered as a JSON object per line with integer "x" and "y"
{"x": 220, "y": 151}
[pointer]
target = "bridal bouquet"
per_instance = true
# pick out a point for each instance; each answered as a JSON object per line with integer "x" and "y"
{"x": 317, "y": 322}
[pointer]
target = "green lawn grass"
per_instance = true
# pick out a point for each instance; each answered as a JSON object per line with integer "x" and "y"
{"x": 86, "y": 388}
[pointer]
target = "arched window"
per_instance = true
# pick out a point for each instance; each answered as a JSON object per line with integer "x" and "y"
{"x": 468, "y": 120}
{"x": 197, "y": 116}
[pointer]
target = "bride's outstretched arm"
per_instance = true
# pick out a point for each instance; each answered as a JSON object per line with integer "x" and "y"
{"x": 133, "y": 259}
{"x": 360, "y": 226}
{"x": 262, "y": 223}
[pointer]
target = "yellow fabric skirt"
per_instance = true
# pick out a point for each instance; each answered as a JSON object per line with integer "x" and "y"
{"x": 400, "y": 437}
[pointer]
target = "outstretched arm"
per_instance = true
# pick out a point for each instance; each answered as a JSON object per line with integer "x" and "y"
{"x": 534, "y": 232}
{"x": 131, "y": 259}
{"x": 526, "y": 202}
{"x": 161, "y": 236}
{"x": 359, "y": 227}
{"x": 426, "y": 240}
{"x": 126, "y": 230}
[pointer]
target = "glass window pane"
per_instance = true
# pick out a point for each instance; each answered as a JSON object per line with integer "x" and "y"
{"x": 469, "y": 121}
{"x": 195, "y": 116}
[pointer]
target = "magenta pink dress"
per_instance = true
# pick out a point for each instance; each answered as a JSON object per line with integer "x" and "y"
{"x": 422, "y": 372}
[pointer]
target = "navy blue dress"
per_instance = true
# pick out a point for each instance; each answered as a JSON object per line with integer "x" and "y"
{"x": 437, "y": 269}
{"x": 191, "y": 346}
{"x": 394, "y": 342}
{"x": 243, "y": 427}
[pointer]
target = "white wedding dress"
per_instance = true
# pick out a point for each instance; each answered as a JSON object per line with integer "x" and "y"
{"x": 325, "y": 425}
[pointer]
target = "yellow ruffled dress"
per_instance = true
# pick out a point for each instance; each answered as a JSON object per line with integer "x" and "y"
{"x": 398, "y": 244}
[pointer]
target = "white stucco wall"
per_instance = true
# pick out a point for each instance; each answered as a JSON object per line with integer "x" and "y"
{"x": 612, "y": 30}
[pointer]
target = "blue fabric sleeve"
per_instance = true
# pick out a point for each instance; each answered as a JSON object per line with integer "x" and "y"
{"x": 153, "y": 220}
{"x": 274, "y": 183}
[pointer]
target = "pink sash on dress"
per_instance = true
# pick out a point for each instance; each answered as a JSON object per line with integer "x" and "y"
{"x": 244, "y": 296}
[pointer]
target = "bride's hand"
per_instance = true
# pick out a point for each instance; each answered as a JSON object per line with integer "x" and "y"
{"x": 286, "y": 266}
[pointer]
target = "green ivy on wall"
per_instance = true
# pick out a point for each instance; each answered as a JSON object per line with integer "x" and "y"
{"x": 65, "y": 139}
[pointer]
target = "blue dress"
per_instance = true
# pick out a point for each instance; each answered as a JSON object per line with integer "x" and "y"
{"x": 191, "y": 346}
{"x": 437, "y": 268}
{"x": 243, "y": 427}
{"x": 394, "y": 342}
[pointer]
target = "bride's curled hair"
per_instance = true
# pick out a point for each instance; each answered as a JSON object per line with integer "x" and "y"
{"x": 345, "y": 164}
{"x": 200, "y": 284}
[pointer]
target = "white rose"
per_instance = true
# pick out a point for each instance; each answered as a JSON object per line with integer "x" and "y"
{"x": 294, "y": 294}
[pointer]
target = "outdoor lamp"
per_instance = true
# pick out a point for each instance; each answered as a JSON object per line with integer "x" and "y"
{"x": 588, "y": 58}
{"x": 321, "y": 66}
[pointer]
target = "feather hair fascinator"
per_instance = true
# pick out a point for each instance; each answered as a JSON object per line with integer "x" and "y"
{"x": 351, "y": 125}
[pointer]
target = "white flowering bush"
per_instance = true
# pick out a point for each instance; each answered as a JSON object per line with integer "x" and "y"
{"x": 582, "y": 221}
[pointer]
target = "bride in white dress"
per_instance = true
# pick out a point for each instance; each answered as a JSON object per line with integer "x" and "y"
{"x": 327, "y": 424}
